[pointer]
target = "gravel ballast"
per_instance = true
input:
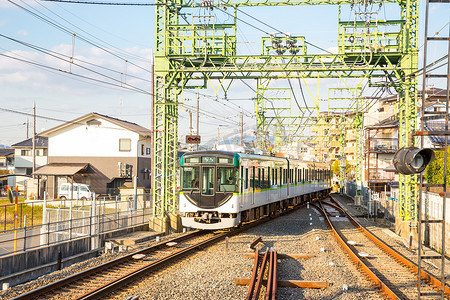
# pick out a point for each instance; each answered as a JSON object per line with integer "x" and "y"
{"x": 210, "y": 273}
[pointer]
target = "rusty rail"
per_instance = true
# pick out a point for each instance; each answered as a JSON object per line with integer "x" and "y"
{"x": 399, "y": 257}
{"x": 255, "y": 242}
{"x": 251, "y": 286}
{"x": 383, "y": 287}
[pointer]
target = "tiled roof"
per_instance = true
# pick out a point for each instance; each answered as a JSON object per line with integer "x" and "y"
{"x": 41, "y": 142}
{"x": 82, "y": 121}
{"x": 6, "y": 152}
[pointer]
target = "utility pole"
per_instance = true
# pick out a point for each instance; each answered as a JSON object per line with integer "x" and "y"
{"x": 190, "y": 122}
{"x": 34, "y": 138}
{"x": 152, "y": 126}
{"x": 242, "y": 128}
{"x": 198, "y": 117}
{"x": 190, "y": 128}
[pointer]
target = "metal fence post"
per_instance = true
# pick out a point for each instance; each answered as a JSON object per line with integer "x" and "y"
{"x": 44, "y": 221}
{"x": 117, "y": 214}
{"x": 25, "y": 233}
{"x": 70, "y": 221}
{"x": 48, "y": 233}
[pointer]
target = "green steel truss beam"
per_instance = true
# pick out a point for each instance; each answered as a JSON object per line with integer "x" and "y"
{"x": 192, "y": 57}
{"x": 233, "y": 3}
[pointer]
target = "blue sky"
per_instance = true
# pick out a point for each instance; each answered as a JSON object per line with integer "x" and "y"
{"x": 128, "y": 32}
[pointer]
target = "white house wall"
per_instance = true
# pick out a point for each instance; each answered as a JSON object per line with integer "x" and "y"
{"x": 93, "y": 141}
{"x": 27, "y": 161}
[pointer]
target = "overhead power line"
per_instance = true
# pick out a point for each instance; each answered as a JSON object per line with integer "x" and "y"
{"x": 66, "y": 30}
{"x": 104, "y": 3}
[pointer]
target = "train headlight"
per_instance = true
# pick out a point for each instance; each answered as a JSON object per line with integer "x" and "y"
{"x": 412, "y": 160}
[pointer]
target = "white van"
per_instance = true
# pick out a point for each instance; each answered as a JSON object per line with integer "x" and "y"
{"x": 77, "y": 191}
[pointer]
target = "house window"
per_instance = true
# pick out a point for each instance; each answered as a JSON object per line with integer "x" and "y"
{"x": 124, "y": 144}
{"x": 147, "y": 150}
{"x": 25, "y": 152}
{"x": 142, "y": 149}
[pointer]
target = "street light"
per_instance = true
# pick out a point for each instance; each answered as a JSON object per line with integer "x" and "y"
{"x": 412, "y": 160}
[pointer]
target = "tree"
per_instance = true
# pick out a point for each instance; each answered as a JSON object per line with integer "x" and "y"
{"x": 336, "y": 168}
{"x": 434, "y": 173}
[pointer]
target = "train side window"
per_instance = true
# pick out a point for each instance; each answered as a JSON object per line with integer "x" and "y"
{"x": 280, "y": 180}
{"x": 259, "y": 178}
{"x": 242, "y": 179}
{"x": 263, "y": 179}
{"x": 296, "y": 176}
{"x": 275, "y": 178}
{"x": 246, "y": 178}
{"x": 269, "y": 184}
{"x": 253, "y": 178}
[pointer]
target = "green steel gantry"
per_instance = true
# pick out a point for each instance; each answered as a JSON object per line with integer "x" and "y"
{"x": 202, "y": 52}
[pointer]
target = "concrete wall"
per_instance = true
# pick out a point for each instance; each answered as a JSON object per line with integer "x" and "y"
{"x": 435, "y": 206}
{"x": 24, "y": 266}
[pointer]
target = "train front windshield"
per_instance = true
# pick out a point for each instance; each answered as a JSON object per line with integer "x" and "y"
{"x": 224, "y": 177}
{"x": 191, "y": 178}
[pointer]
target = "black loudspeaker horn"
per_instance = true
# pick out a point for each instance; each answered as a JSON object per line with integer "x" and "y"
{"x": 412, "y": 160}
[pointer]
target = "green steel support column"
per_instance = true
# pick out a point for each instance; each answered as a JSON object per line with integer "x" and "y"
{"x": 343, "y": 163}
{"x": 260, "y": 107}
{"x": 165, "y": 116}
{"x": 408, "y": 107}
{"x": 359, "y": 147}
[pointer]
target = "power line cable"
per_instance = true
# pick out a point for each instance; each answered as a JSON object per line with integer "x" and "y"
{"x": 89, "y": 34}
{"x": 70, "y": 59}
{"x": 66, "y": 30}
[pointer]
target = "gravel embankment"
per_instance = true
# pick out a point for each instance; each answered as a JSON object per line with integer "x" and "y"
{"x": 210, "y": 273}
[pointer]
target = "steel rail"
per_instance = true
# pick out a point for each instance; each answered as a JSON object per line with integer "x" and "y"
{"x": 251, "y": 286}
{"x": 383, "y": 287}
{"x": 116, "y": 284}
{"x": 132, "y": 276}
{"x": 262, "y": 270}
{"x": 67, "y": 280}
{"x": 269, "y": 277}
{"x": 394, "y": 253}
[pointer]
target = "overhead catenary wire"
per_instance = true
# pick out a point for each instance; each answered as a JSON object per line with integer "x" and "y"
{"x": 123, "y": 52}
{"x": 124, "y": 85}
{"x": 68, "y": 31}
{"x": 68, "y": 58}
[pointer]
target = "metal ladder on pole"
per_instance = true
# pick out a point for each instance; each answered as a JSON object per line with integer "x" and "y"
{"x": 423, "y": 221}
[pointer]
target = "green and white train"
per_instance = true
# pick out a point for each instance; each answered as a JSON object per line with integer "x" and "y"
{"x": 221, "y": 189}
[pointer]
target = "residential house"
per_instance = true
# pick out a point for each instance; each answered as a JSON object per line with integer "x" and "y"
{"x": 6, "y": 167}
{"x": 382, "y": 140}
{"x": 23, "y": 159}
{"x": 98, "y": 150}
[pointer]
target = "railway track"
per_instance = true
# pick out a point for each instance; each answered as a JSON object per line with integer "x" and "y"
{"x": 100, "y": 281}
{"x": 395, "y": 275}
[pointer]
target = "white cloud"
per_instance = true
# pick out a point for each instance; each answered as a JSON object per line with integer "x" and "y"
{"x": 22, "y": 32}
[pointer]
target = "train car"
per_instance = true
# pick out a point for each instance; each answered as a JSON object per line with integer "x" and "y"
{"x": 220, "y": 189}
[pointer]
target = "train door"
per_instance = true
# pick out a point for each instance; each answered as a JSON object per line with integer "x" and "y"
{"x": 207, "y": 186}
